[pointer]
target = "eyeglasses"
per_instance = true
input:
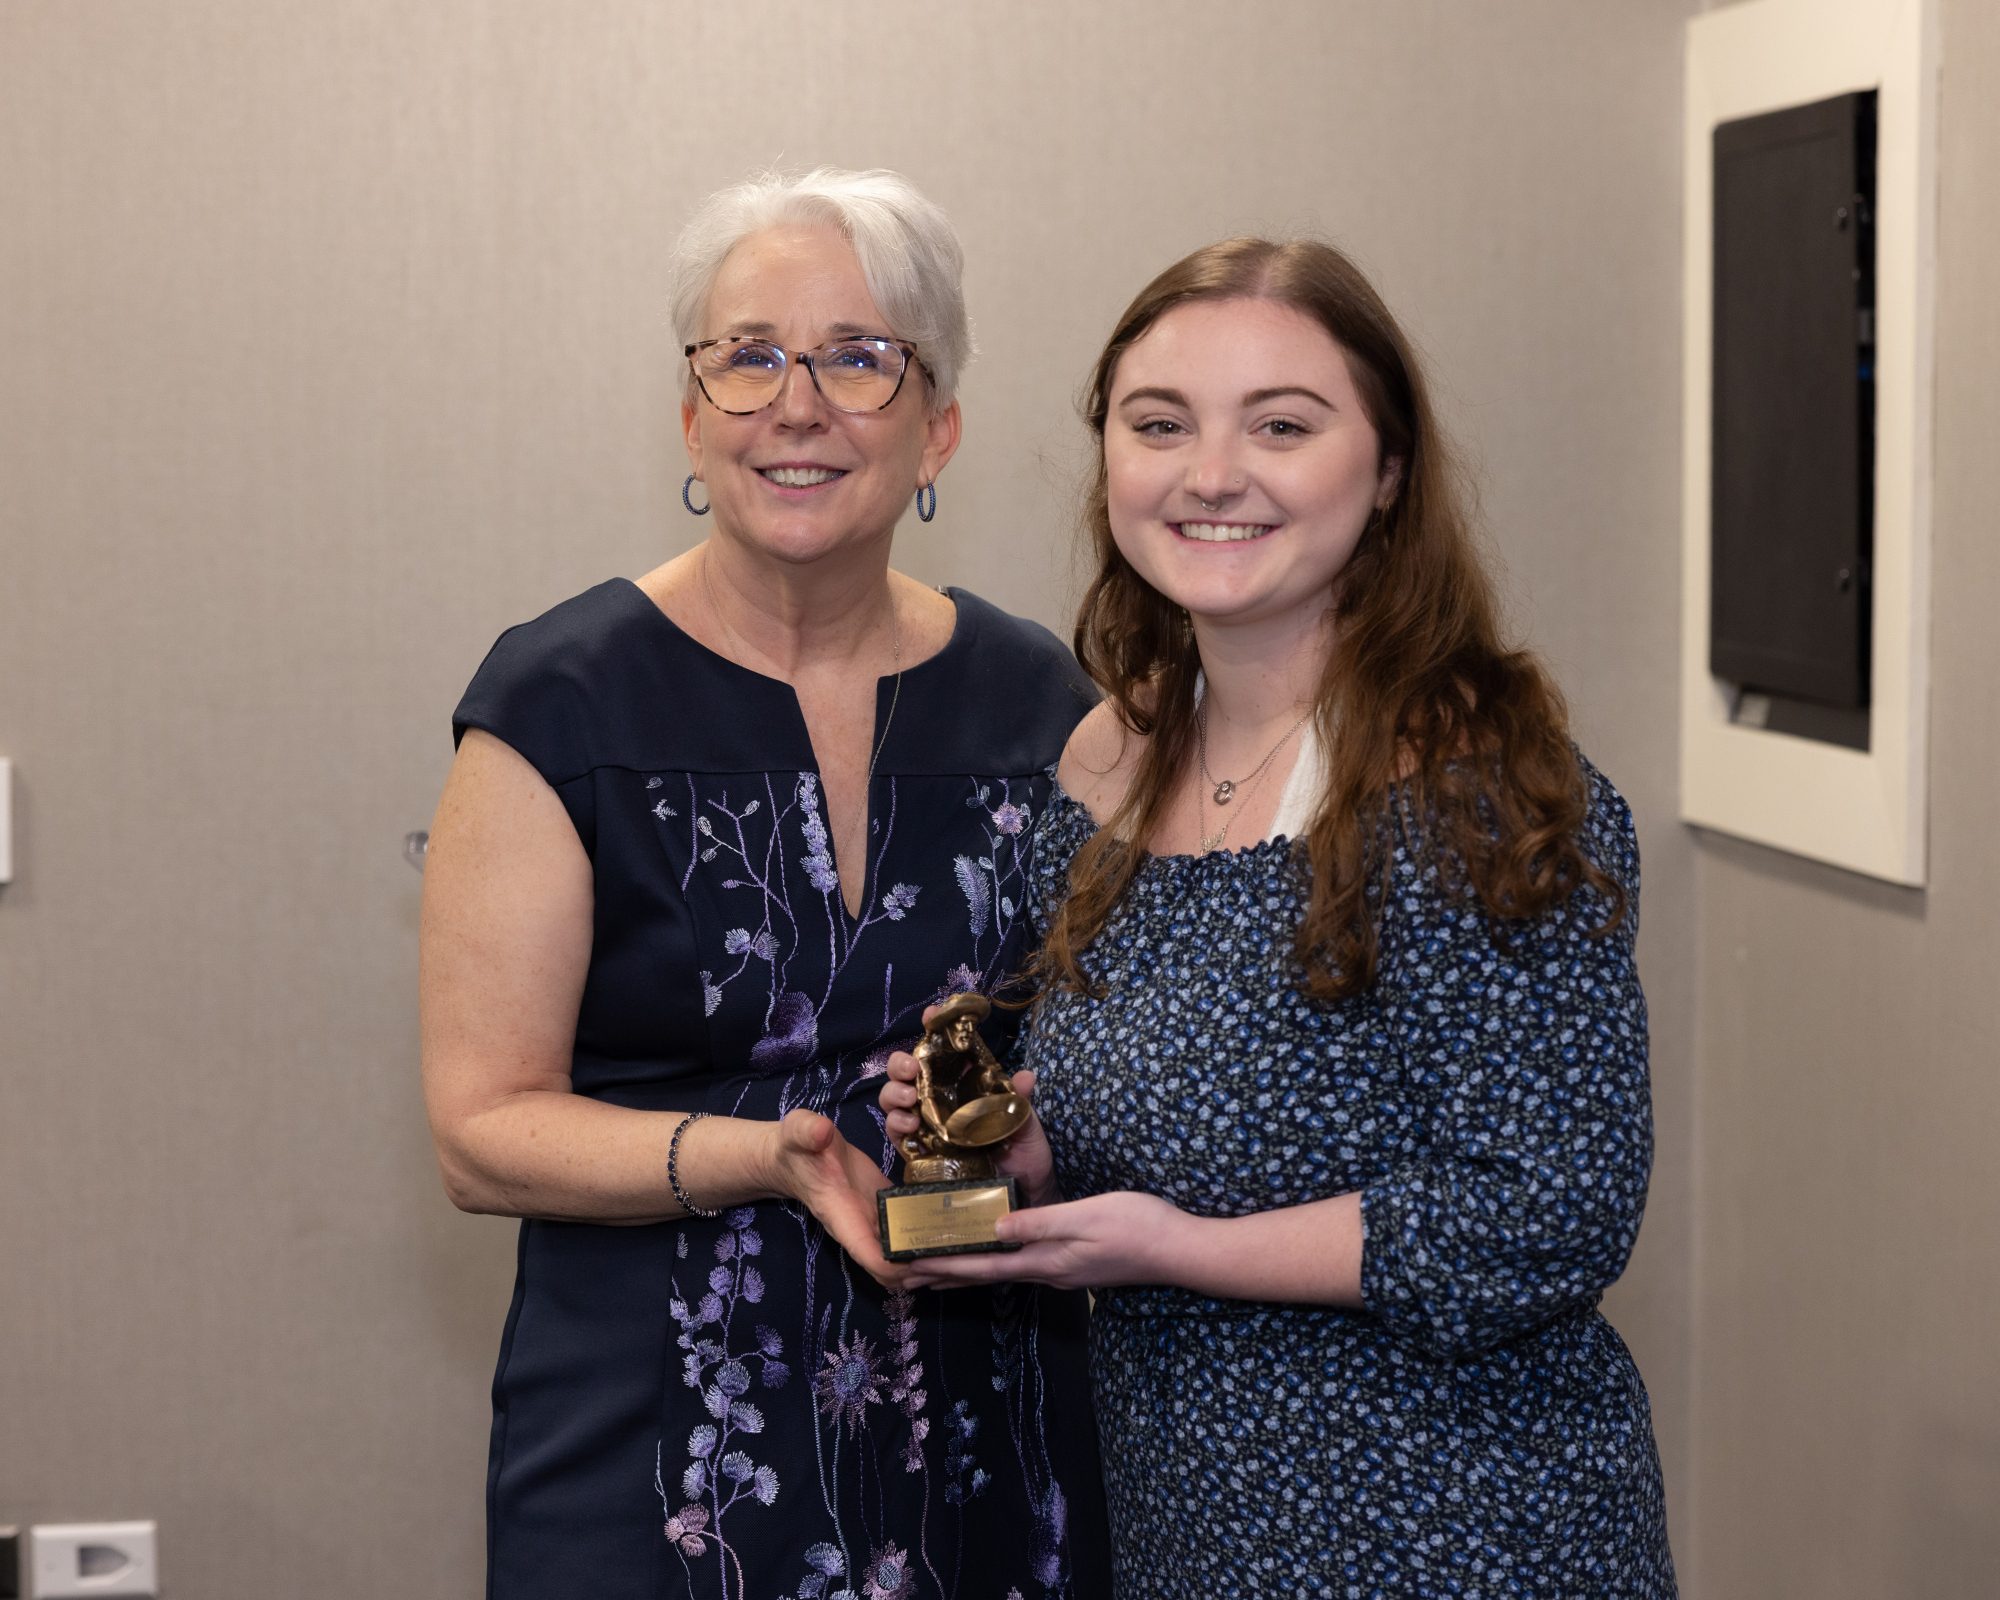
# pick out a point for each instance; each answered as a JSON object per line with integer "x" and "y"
{"x": 741, "y": 376}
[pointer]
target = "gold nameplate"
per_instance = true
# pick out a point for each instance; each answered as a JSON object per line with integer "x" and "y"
{"x": 938, "y": 1219}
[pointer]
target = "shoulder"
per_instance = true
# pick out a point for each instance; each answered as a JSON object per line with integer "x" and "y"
{"x": 1428, "y": 881}
{"x": 999, "y": 640}
{"x": 575, "y": 641}
{"x": 1100, "y": 760}
{"x": 532, "y": 688}
{"x": 1001, "y": 697}
{"x": 555, "y": 687}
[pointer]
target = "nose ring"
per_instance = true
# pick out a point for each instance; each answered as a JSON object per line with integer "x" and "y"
{"x": 1206, "y": 506}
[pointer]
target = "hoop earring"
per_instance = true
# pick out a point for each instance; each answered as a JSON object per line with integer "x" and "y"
{"x": 926, "y": 509}
{"x": 687, "y": 496}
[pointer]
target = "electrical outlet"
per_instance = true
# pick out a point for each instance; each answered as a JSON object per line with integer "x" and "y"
{"x": 72, "y": 1561}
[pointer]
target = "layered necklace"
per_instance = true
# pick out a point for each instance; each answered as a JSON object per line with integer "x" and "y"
{"x": 1224, "y": 790}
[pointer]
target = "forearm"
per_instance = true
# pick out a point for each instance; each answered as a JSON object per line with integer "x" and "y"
{"x": 554, "y": 1154}
{"x": 1309, "y": 1254}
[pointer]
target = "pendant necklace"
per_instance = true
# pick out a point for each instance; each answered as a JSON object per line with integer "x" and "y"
{"x": 1226, "y": 789}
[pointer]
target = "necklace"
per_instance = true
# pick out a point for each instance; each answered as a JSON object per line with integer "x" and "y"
{"x": 1227, "y": 789}
{"x": 896, "y": 689}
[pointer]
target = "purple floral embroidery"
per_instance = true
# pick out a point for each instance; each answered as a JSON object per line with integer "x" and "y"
{"x": 972, "y": 885}
{"x": 760, "y": 1482}
{"x": 774, "y": 860}
{"x": 849, "y": 1383}
{"x": 760, "y": 944}
{"x": 1050, "y": 1535}
{"x": 826, "y": 1563}
{"x": 685, "y": 1528}
{"x": 889, "y": 1575}
{"x": 818, "y": 860}
{"x": 717, "y": 1476}
{"x": 792, "y": 1037}
{"x": 965, "y": 1478}
{"x": 901, "y": 1315}
{"x": 991, "y": 882}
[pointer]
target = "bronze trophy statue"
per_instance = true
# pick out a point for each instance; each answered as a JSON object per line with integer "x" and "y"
{"x": 951, "y": 1194}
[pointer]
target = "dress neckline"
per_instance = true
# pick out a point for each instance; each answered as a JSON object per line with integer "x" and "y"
{"x": 1274, "y": 845}
{"x": 963, "y": 626}
{"x": 888, "y": 690}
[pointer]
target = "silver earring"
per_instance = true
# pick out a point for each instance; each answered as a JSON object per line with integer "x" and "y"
{"x": 687, "y": 496}
{"x": 926, "y": 509}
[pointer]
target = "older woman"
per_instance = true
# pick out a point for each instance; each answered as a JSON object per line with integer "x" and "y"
{"x": 713, "y": 840}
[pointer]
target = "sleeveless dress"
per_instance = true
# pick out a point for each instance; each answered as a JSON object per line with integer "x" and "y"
{"x": 731, "y": 1408}
{"x": 1477, "y": 1428}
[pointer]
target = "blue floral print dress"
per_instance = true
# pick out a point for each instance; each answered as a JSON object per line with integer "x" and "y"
{"x": 1477, "y": 1428}
{"x": 731, "y": 1408}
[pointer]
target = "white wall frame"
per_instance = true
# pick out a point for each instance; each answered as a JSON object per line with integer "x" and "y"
{"x": 1863, "y": 810}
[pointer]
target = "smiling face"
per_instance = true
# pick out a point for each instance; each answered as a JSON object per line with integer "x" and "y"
{"x": 1246, "y": 405}
{"x": 799, "y": 480}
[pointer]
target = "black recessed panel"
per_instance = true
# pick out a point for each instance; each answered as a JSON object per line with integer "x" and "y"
{"x": 1793, "y": 485}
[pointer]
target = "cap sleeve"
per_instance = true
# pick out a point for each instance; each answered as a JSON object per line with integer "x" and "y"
{"x": 529, "y": 693}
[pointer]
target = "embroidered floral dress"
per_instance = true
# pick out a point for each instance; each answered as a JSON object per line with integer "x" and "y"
{"x": 1477, "y": 1428}
{"x": 731, "y": 1408}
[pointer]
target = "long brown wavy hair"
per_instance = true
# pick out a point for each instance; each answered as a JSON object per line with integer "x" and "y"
{"x": 1434, "y": 732}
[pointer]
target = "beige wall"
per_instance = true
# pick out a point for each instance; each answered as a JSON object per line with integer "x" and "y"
{"x": 1846, "y": 1419}
{"x": 331, "y": 342}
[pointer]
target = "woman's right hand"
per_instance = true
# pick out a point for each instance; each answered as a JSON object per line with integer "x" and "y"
{"x": 1025, "y": 1156}
{"x": 813, "y": 1164}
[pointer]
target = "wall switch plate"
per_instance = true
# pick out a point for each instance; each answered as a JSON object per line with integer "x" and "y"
{"x": 115, "y": 1560}
{"x": 6, "y": 820}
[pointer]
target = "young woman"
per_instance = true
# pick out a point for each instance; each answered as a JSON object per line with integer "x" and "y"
{"x": 1340, "y": 1052}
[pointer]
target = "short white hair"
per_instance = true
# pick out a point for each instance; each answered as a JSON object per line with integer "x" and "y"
{"x": 909, "y": 253}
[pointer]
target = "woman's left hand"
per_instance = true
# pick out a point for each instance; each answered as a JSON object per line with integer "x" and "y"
{"x": 1100, "y": 1243}
{"x": 811, "y": 1162}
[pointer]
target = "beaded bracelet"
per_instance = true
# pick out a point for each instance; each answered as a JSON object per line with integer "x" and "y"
{"x": 674, "y": 1168}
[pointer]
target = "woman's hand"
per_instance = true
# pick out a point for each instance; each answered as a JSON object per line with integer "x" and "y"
{"x": 898, "y": 1098}
{"x": 1103, "y": 1242}
{"x": 813, "y": 1164}
{"x": 1024, "y": 1157}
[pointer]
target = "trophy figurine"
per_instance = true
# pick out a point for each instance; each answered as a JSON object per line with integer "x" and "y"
{"x": 951, "y": 1194}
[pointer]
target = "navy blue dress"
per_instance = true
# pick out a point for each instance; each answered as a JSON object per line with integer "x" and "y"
{"x": 731, "y": 1408}
{"x": 1477, "y": 1429}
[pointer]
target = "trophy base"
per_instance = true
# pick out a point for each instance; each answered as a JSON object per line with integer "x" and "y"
{"x": 953, "y": 1218}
